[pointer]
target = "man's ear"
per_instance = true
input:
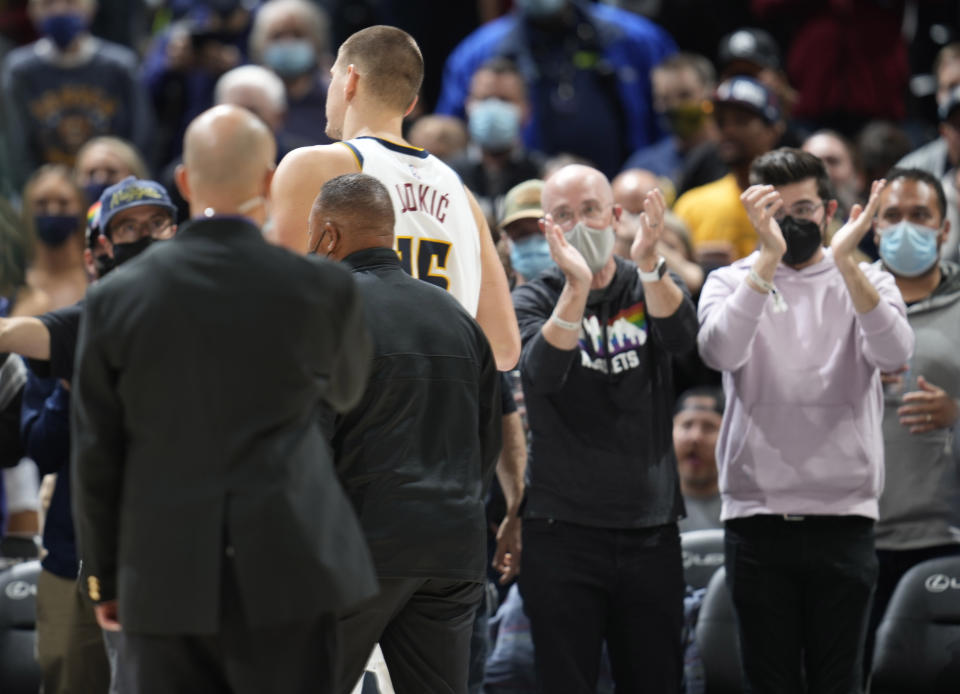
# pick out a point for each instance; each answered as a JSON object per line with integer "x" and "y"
{"x": 268, "y": 181}
{"x": 831, "y": 209}
{"x": 413, "y": 105}
{"x": 944, "y": 232}
{"x": 350, "y": 84}
{"x": 617, "y": 211}
{"x": 332, "y": 241}
{"x": 183, "y": 184}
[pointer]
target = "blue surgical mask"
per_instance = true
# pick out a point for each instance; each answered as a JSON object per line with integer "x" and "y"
{"x": 62, "y": 29}
{"x": 540, "y": 8}
{"x": 54, "y": 230}
{"x": 531, "y": 255}
{"x": 909, "y": 250}
{"x": 494, "y": 124}
{"x": 290, "y": 57}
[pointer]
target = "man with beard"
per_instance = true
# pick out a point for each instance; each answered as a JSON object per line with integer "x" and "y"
{"x": 748, "y": 115}
{"x": 696, "y": 423}
{"x": 918, "y": 505}
{"x": 801, "y": 334}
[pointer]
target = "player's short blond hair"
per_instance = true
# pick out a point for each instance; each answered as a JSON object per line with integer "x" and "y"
{"x": 389, "y": 61}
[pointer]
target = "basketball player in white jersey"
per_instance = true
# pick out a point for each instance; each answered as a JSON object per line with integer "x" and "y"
{"x": 442, "y": 236}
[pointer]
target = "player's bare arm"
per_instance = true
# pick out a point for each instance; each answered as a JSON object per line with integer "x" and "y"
{"x": 495, "y": 308}
{"x": 26, "y": 336}
{"x": 298, "y": 179}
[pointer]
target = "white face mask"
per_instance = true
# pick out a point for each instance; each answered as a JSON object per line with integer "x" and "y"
{"x": 595, "y": 245}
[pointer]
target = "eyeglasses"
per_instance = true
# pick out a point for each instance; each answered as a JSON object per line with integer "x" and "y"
{"x": 590, "y": 212}
{"x": 800, "y": 210}
{"x": 131, "y": 230}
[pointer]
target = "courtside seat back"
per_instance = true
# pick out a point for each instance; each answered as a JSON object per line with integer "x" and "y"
{"x": 19, "y": 671}
{"x": 918, "y": 642}
{"x": 718, "y": 640}
{"x": 702, "y": 555}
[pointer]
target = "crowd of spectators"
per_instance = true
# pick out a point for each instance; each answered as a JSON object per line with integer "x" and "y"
{"x": 687, "y": 105}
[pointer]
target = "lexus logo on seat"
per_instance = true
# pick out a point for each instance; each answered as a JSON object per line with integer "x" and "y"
{"x": 20, "y": 590}
{"x": 938, "y": 583}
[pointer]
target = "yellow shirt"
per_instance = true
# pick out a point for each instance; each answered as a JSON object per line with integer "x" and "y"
{"x": 714, "y": 213}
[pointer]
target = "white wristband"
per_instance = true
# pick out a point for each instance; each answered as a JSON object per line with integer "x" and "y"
{"x": 565, "y": 324}
{"x": 779, "y": 304}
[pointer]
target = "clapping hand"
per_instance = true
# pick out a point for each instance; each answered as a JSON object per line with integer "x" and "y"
{"x": 567, "y": 258}
{"x": 643, "y": 252}
{"x": 845, "y": 241}
{"x": 762, "y": 203}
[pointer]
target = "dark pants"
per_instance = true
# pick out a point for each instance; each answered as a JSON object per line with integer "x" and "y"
{"x": 583, "y": 585}
{"x": 893, "y": 565}
{"x": 423, "y": 627}
{"x": 801, "y": 590}
{"x": 294, "y": 658}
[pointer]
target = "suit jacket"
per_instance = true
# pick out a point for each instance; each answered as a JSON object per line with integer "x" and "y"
{"x": 415, "y": 454}
{"x": 201, "y": 368}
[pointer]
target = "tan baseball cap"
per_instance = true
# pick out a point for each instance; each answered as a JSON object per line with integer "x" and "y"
{"x": 522, "y": 202}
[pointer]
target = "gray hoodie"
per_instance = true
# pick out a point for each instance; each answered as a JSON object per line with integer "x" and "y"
{"x": 921, "y": 472}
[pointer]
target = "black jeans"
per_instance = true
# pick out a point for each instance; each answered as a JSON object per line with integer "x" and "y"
{"x": 802, "y": 591}
{"x": 583, "y": 585}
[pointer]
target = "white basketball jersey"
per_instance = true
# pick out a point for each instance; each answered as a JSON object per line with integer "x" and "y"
{"x": 436, "y": 235}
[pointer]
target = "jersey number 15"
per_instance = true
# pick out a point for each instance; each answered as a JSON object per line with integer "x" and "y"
{"x": 431, "y": 260}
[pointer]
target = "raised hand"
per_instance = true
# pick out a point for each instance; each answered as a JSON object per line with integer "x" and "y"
{"x": 761, "y": 204}
{"x": 644, "y": 249}
{"x": 845, "y": 241}
{"x": 567, "y": 258}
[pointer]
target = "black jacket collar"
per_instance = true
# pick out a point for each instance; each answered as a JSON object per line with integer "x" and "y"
{"x": 235, "y": 225}
{"x": 372, "y": 258}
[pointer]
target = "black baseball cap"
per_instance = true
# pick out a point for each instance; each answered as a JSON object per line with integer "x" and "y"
{"x": 750, "y": 45}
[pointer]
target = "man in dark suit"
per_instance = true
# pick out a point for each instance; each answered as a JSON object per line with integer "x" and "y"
{"x": 209, "y": 518}
{"x": 415, "y": 454}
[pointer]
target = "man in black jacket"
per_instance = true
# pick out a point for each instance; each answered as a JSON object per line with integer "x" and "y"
{"x": 416, "y": 453}
{"x": 209, "y": 520}
{"x": 601, "y": 552}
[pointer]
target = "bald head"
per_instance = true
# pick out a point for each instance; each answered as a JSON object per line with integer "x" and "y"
{"x": 572, "y": 186}
{"x": 227, "y": 151}
{"x": 352, "y": 212}
{"x": 630, "y": 188}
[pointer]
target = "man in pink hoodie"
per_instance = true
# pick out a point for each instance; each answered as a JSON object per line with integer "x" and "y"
{"x": 801, "y": 333}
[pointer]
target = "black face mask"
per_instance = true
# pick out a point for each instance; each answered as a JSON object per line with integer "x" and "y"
{"x": 122, "y": 252}
{"x": 103, "y": 264}
{"x": 803, "y": 238}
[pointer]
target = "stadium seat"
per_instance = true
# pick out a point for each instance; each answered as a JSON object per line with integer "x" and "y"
{"x": 918, "y": 641}
{"x": 717, "y": 639}
{"x": 19, "y": 671}
{"x": 702, "y": 555}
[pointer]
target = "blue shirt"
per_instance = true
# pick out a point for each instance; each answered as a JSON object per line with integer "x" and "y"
{"x": 45, "y": 430}
{"x": 589, "y": 89}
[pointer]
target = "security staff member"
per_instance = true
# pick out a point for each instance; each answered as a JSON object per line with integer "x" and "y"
{"x": 415, "y": 455}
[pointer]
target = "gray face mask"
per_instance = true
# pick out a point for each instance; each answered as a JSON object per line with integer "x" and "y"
{"x": 595, "y": 245}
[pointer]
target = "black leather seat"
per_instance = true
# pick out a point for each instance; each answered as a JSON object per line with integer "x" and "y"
{"x": 717, "y": 639}
{"x": 19, "y": 671}
{"x": 702, "y": 555}
{"x": 918, "y": 641}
